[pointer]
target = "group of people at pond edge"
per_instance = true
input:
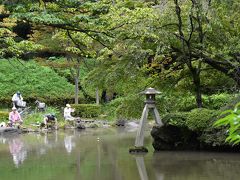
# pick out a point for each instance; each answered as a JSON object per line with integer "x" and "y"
{"x": 15, "y": 119}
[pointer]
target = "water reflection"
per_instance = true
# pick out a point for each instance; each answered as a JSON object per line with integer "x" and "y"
{"x": 46, "y": 141}
{"x": 3, "y": 140}
{"x": 69, "y": 144}
{"x": 103, "y": 154}
{"x": 17, "y": 150}
{"x": 196, "y": 165}
{"x": 141, "y": 167}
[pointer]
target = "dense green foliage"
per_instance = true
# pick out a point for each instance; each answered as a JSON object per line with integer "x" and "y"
{"x": 3, "y": 116}
{"x": 201, "y": 119}
{"x": 197, "y": 119}
{"x": 86, "y": 110}
{"x": 33, "y": 81}
{"x": 199, "y": 122}
{"x": 231, "y": 119}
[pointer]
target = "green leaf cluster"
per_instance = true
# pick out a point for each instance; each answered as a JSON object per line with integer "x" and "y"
{"x": 231, "y": 119}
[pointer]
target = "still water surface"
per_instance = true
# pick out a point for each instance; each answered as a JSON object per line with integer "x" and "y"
{"x": 102, "y": 154}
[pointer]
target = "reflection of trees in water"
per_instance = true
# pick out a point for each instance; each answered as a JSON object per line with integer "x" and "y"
{"x": 193, "y": 165}
{"x": 18, "y": 151}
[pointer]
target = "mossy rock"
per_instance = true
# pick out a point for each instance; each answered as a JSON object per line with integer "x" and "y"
{"x": 170, "y": 137}
{"x": 190, "y": 130}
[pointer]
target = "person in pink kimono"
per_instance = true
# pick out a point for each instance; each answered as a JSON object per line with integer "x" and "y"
{"x": 14, "y": 117}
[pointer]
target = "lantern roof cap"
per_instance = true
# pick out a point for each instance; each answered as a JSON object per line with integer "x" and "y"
{"x": 150, "y": 91}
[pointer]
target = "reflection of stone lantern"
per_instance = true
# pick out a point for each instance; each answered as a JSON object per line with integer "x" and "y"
{"x": 149, "y": 105}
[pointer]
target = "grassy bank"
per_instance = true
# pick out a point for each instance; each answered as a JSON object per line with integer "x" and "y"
{"x": 33, "y": 81}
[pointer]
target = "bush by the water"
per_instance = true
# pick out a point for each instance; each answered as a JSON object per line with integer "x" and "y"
{"x": 200, "y": 119}
{"x": 201, "y": 122}
{"x": 196, "y": 120}
{"x": 33, "y": 81}
{"x": 3, "y": 116}
{"x": 86, "y": 110}
{"x": 176, "y": 119}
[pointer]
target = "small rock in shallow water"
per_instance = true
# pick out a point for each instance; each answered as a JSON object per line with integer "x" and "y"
{"x": 80, "y": 126}
{"x": 120, "y": 122}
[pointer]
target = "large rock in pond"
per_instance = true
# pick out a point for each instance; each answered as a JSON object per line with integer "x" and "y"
{"x": 9, "y": 131}
{"x": 169, "y": 137}
{"x": 191, "y": 130}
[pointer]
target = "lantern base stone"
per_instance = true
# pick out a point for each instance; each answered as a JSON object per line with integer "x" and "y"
{"x": 138, "y": 150}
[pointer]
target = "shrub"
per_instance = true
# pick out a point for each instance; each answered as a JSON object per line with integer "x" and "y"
{"x": 176, "y": 119}
{"x": 4, "y": 116}
{"x": 216, "y": 101}
{"x": 109, "y": 109}
{"x": 87, "y": 110}
{"x": 175, "y": 102}
{"x": 199, "y": 119}
{"x": 196, "y": 120}
{"x": 130, "y": 108}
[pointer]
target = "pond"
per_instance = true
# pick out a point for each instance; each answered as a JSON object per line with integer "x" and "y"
{"x": 102, "y": 154}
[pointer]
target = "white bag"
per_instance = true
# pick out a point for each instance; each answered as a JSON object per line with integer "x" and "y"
{"x": 21, "y": 103}
{"x": 41, "y": 105}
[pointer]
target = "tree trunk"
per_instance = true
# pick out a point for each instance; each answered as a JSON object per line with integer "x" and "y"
{"x": 104, "y": 96}
{"x": 197, "y": 88}
{"x": 76, "y": 90}
{"x": 97, "y": 97}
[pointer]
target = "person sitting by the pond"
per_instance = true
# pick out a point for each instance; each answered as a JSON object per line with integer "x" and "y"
{"x": 49, "y": 121}
{"x": 17, "y": 100}
{"x": 67, "y": 113}
{"x": 15, "y": 118}
{"x": 68, "y": 117}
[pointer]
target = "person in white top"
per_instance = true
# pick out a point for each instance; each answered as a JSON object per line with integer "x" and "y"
{"x": 67, "y": 113}
{"x": 17, "y": 99}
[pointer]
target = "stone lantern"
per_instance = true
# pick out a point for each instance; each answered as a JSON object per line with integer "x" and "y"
{"x": 150, "y": 95}
{"x": 149, "y": 106}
